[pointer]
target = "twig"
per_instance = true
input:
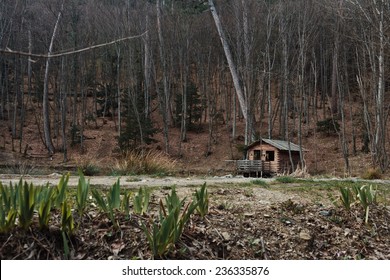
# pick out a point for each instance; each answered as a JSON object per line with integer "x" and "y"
{"x": 5, "y": 243}
{"x": 43, "y": 246}
{"x": 263, "y": 251}
{"x": 21, "y": 253}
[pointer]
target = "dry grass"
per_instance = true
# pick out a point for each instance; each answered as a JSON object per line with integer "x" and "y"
{"x": 372, "y": 174}
{"x": 90, "y": 164}
{"x": 144, "y": 162}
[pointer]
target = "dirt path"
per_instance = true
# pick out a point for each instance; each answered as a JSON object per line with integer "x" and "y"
{"x": 129, "y": 181}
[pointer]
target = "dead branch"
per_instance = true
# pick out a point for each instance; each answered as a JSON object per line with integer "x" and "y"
{"x": 64, "y": 53}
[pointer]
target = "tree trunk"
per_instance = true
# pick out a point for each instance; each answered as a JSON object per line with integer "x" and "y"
{"x": 118, "y": 54}
{"x": 147, "y": 69}
{"x": 380, "y": 132}
{"x": 63, "y": 110}
{"x": 232, "y": 67}
{"x": 45, "y": 104}
{"x": 165, "y": 98}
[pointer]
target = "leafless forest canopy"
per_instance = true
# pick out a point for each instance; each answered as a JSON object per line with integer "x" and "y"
{"x": 284, "y": 69}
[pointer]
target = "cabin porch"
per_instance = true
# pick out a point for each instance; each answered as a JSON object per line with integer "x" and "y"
{"x": 253, "y": 168}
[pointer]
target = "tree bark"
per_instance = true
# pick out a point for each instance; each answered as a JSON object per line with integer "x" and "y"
{"x": 165, "y": 98}
{"x": 232, "y": 67}
{"x": 45, "y": 104}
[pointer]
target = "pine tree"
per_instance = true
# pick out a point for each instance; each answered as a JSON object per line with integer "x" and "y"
{"x": 138, "y": 129}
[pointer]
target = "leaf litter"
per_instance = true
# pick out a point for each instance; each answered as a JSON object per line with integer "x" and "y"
{"x": 254, "y": 223}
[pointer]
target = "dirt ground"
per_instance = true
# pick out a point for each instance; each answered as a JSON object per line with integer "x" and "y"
{"x": 246, "y": 220}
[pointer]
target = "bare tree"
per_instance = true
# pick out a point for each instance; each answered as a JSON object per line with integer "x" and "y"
{"x": 45, "y": 104}
{"x": 242, "y": 99}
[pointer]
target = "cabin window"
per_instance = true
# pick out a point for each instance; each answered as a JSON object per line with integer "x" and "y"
{"x": 257, "y": 155}
{"x": 270, "y": 155}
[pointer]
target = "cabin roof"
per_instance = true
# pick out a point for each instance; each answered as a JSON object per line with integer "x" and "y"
{"x": 279, "y": 144}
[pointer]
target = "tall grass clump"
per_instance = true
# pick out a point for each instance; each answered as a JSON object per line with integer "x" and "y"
{"x": 89, "y": 165}
{"x": 372, "y": 174}
{"x": 144, "y": 162}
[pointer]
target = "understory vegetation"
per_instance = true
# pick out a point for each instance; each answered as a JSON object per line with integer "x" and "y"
{"x": 284, "y": 219}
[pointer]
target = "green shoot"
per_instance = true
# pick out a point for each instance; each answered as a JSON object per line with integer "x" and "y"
{"x": 61, "y": 188}
{"x": 26, "y": 202}
{"x": 82, "y": 193}
{"x": 67, "y": 223}
{"x": 202, "y": 199}
{"x": 141, "y": 201}
{"x": 45, "y": 200}
{"x": 346, "y": 198}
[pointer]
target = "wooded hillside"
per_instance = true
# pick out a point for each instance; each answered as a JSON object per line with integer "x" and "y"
{"x": 166, "y": 73}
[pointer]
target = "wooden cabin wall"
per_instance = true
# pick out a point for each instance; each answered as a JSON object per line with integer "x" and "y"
{"x": 285, "y": 164}
{"x": 270, "y": 166}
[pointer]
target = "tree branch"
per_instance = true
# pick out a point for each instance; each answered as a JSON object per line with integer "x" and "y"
{"x": 64, "y": 53}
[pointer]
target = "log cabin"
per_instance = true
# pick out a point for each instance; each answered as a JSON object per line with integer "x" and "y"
{"x": 267, "y": 157}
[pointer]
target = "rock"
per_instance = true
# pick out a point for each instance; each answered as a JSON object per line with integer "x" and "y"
{"x": 325, "y": 213}
{"x": 249, "y": 215}
{"x": 226, "y": 236}
{"x": 256, "y": 241}
{"x": 304, "y": 235}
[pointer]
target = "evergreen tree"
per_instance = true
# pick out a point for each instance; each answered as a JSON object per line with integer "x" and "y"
{"x": 138, "y": 128}
{"x": 194, "y": 108}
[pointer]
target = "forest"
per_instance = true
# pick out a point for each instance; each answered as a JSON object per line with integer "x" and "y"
{"x": 288, "y": 70}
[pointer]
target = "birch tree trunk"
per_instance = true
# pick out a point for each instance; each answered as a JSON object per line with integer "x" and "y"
{"x": 165, "y": 98}
{"x": 233, "y": 69}
{"x": 45, "y": 104}
{"x": 147, "y": 69}
{"x": 63, "y": 109}
{"x": 380, "y": 133}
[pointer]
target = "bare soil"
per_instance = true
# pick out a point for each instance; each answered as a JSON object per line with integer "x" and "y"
{"x": 245, "y": 221}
